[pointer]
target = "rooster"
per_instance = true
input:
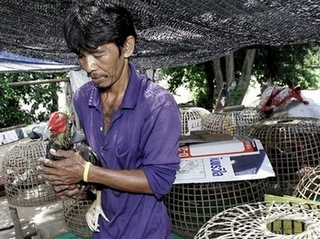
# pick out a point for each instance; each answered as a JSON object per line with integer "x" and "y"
{"x": 63, "y": 135}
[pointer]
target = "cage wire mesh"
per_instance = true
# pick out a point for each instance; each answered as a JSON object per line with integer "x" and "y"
{"x": 309, "y": 185}
{"x": 74, "y": 212}
{"x": 232, "y": 122}
{"x": 192, "y": 117}
{"x": 22, "y": 185}
{"x": 264, "y": 220}
{"x": 292, "y": 144}
{"x": 191, "y": 205}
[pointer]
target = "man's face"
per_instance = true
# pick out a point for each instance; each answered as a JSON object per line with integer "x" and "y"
{"x": 104, "y": 65}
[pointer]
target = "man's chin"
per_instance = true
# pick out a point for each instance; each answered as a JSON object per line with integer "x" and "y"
{"x": 102, "y": 88}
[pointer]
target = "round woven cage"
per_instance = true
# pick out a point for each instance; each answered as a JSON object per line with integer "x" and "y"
{"x": 22, "y": 185}
{"x": 191, "y": 115}
{"x": 191, "y": 205}
{"x": 264, "y": 220}
{"x": 291, "y": 144}
{"x": 233, "y": 122}
{"x": 309, "y": 185}
{"x": 74, "y": 212}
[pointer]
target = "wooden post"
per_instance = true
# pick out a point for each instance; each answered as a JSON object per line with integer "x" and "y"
{"x": 16, "y": 223}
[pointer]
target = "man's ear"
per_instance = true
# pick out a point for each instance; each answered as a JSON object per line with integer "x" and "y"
{"x": 129, "y": 46}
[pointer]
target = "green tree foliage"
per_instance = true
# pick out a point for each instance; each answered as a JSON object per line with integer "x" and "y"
{"x": 288, "y": 65}
{"x": 194, "y": 78}
{"x": 36, "y": 95}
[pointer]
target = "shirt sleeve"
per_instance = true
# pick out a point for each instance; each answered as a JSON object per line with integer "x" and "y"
{"x": 161, "y": 159}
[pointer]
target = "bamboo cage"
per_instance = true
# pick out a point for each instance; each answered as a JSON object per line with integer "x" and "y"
{"x": 232, "y": 122}
{"x": 74, "y": 212}
{"x": 264, "y": 220}
{"x": 22, "y": 185}
{"x": 309, "y": 185}
{"x": 192, "y": 115}
{"x": 191, "y": 205}
{"x": 292, "y": 144}
{"x": 75, "y": 209}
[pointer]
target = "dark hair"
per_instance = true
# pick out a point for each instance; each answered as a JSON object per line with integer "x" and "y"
{"x": 91, "y": 24}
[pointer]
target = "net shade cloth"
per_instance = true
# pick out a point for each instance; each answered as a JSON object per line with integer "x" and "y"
{"x": 170, "y": 33}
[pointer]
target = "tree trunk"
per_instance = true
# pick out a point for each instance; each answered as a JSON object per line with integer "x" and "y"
{"x": 269, "y": 68}
{"x": 230, "y": 76}
{"x": 245, "y": 78}
{"x": 218, "y": 75}
{"x": 55, "y": 101}
{"x": 219, "y": 84}
{"x": 209, "y": 71}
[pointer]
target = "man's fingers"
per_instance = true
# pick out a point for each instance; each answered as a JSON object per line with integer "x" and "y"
{"x": 47, "y": 173}
{"x": 60, "y": 188}
{"x": 45, "y": 161}
{"x": 58, "y": 154}
{"x": 62, "y": 153}
{"x": 69, "y": 193}
{"x": 53, "y": 152}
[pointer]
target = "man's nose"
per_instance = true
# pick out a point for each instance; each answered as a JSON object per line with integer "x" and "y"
{"x": 88, "y": 63}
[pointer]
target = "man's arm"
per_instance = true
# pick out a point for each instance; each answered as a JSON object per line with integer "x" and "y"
{"x": 70, "y": 170}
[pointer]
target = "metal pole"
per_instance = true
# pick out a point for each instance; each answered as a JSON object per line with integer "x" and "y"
{"x": 38, "y": 82}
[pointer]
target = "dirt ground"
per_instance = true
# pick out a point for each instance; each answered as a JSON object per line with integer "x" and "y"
{"x": 44, "y": 221}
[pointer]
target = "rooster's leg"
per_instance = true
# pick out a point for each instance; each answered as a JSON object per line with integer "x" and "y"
{"x": 95, "y": 210}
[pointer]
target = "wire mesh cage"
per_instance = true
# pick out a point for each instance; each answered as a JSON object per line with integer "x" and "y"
{"x": 22, "y": 185}
{"x": 191, "y": 205}
{"x": 264, "y": 220}
{"x": 309, "y": 185}
{"x": 232, "y": 122}
{"x": 74, "y": 212}
{"x": 291, "y": 144}
{"x": 192, "y": 117}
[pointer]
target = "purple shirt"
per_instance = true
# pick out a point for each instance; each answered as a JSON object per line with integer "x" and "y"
{"x": 144, "y": 134}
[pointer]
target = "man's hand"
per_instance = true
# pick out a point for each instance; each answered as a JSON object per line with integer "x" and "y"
{"x": 68, "y": 191}
{"x": 63, "y": 173}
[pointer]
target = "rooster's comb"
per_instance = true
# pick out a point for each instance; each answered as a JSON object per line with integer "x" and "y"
{"x": 58, "y": 122}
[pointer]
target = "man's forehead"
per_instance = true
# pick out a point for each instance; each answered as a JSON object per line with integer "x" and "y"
{"x": 101, "y": 48}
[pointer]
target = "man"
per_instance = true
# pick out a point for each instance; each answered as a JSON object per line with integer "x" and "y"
{"x": 132, "y": 124}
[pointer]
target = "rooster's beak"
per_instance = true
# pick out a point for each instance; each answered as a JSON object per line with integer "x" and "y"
{"x": 46, "y": 133}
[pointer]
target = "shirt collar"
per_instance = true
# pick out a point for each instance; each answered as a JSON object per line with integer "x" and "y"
{"x": 94, "y": 98}
{"x": 133, "y": 89}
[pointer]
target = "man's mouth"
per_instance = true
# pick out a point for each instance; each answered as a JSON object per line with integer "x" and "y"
{"x": 97, "y": 79}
